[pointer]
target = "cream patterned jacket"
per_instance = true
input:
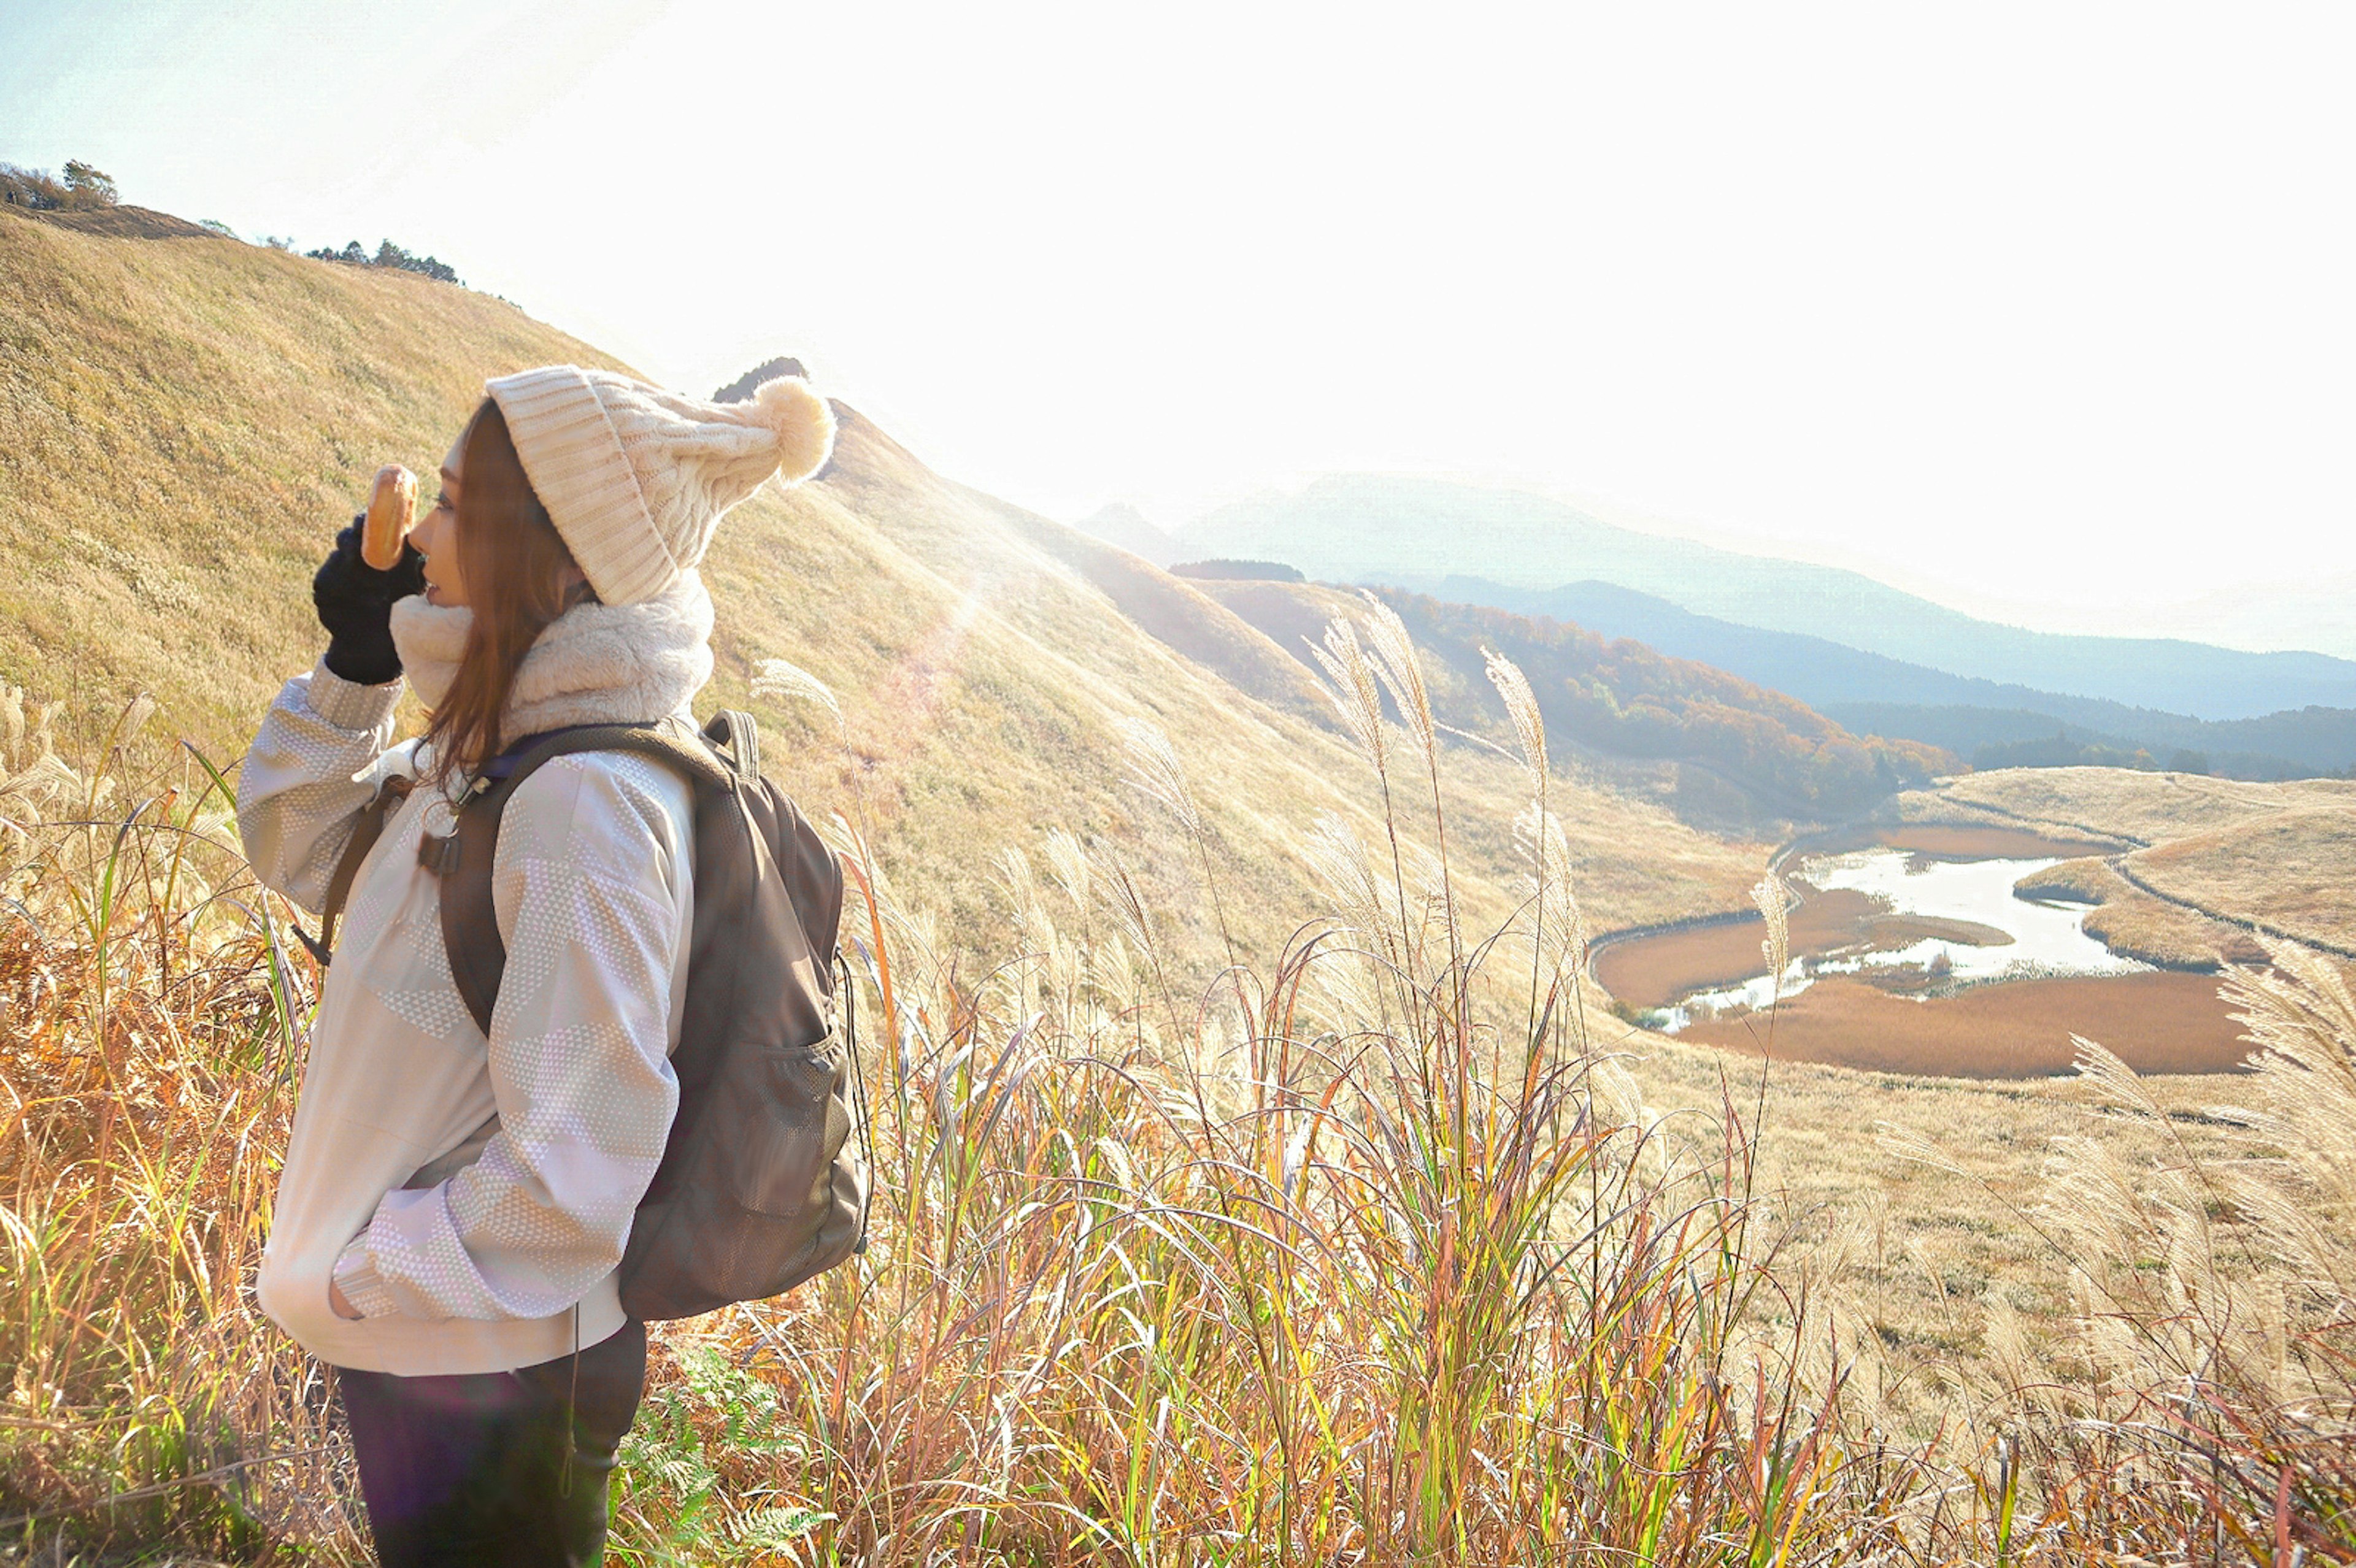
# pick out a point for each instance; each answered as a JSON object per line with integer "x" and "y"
{"x": 467, "y": 1194}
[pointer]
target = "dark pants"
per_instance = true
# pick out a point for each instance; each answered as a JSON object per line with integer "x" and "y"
{"x": 471, "y": 1469}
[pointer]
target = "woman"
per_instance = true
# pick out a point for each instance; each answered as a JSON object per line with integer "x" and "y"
{"x": 452, "y": 1207}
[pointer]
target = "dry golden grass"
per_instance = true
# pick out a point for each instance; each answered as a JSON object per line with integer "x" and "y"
{"x": 1228, "y": 1275}
{"x": 1922, "y": 1261}
{"x": 2293, "y": 872}
{"x": 188, "y": 422}
{"x": 1946, "y": 1259}
{"x": 1950, "y": 1288}
{"x": 145, "y": 1076}
{"x": 2131, "y": 922}
{"x": 2120, "y": 802}
{"x": 2164, "y": 1022}
{"x": 1362, "y": 1256}
{"x": 1256, "y": 1320}
{"x": 2088, "y": 880}
{"x": 123, "y": 222}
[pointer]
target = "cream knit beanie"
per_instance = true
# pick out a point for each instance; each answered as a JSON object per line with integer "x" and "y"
{"x": 636, "y": 478}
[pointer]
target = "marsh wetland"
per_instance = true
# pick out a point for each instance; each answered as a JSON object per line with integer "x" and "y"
{"x": 1925, "y": 950}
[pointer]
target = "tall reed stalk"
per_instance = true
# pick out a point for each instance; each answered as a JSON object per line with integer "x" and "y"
{"x": 1368, "y": 1258}
{"x": 153, "y": 1022}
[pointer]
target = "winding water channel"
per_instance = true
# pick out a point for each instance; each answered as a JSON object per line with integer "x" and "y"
{"x": 2014, "y": 938}
{"x": 1919, "y": 958}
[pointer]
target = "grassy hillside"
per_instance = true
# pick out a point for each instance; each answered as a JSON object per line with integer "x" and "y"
{"x": 1416, "y": 533}
{"x": 185, "y": 422}
{"x": 188, "y": 420}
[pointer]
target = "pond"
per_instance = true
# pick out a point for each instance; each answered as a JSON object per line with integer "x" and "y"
{"x": 2004, "y": 938}
{"x": 1915, "y": 955}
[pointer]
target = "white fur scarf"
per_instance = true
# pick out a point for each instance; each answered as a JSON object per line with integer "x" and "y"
{"x": 596, "y": 664}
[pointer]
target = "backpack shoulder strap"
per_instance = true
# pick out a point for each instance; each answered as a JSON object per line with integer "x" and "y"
{"x": 733, "y": 728}
{"x": 462, "y": 860}
{"x": 389, "y": 795}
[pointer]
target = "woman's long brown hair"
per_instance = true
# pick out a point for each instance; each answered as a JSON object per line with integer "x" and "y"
{"x": 514, "y": 563}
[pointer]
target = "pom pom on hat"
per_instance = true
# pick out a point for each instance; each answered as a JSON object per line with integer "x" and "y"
{"x": 636, "y": 478}
{"x": 804, "y": 424}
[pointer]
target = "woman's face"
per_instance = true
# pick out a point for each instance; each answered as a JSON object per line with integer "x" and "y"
{"x": 437, "y": 535}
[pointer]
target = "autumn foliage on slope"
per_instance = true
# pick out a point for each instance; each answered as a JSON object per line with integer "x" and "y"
{"x": 1624, "y": 697}
{"x": 1621, "y": 697}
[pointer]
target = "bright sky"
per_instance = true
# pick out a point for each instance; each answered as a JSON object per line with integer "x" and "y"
{"x": 2043, "y": 308}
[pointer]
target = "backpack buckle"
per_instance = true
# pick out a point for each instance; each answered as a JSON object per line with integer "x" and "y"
{"x": 439, "y": 856}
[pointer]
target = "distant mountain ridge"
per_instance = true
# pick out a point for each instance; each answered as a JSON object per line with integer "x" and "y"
{"x": 1874, "y": 695}
{"x": 1419, "y": 533}
{"x": 1120, "y": 524}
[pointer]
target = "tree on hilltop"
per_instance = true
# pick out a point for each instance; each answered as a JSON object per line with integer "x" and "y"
{"x": 743, "y": 385}
{"x": 388, "y": 254}
{"x": 35, "y": 188}
{"x": 87, "y": 187}
{"x": 82, "y": 188}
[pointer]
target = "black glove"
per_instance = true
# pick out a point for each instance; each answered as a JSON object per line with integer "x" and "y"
{"x": 355, "y": 604}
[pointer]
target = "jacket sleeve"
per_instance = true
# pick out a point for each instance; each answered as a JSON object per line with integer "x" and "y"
{"x": 316, "y": 761}
{"x": 592, "y": 884}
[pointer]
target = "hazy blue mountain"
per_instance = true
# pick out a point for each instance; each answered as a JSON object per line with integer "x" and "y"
{"x": 2313, "y": 612}
{"x": 2303, "y": 742}
{"x": 1120, "y": 524}
{"x": 1418, "y": 533}
{"x": 1874, "y": 695}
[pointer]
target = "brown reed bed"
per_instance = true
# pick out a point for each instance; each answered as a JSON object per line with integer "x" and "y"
{"x": 2165, "y": 1023}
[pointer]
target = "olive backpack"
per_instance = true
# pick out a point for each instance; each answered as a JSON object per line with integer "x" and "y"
{"x": 762, "y": 1183}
